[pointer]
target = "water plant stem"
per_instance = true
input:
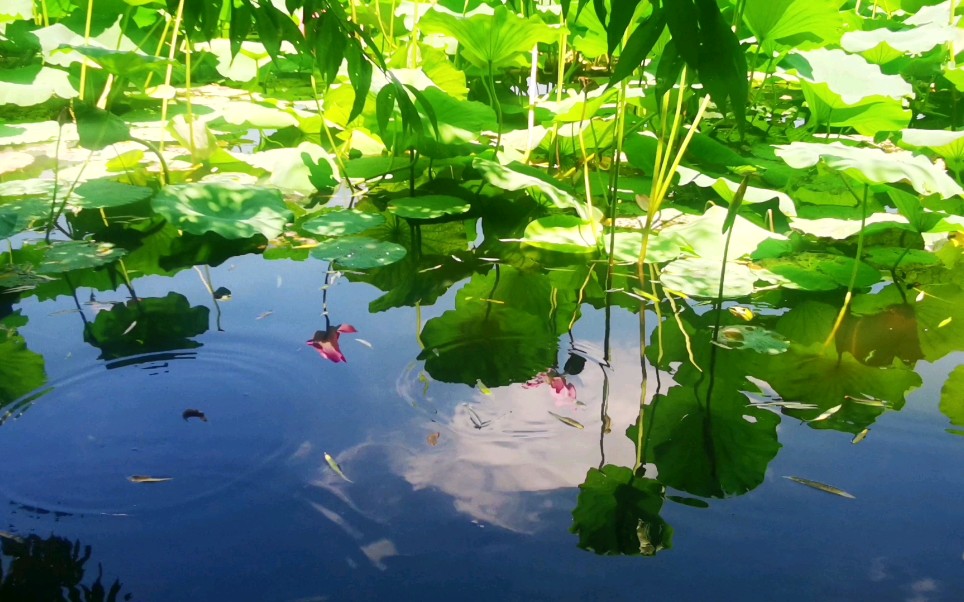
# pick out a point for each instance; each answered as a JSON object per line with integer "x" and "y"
{"x": 853, "y": 273}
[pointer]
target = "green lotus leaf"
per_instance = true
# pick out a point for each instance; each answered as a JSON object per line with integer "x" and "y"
{"x": 873, "y": 166}
{"x": 661, "y": 248}
{"x": 949, "y": 145}
{"x": 816, "y": 271}
{"x": 697, "y": 277}
{"x": 618, "y": 512}
{"x": 428, "y": 207}
{"x": 516, "y": 176}
{"x": 794, "y": 23}
{"x": 563, "y": 233}
{"x": 342, "y": 222}
{"x": 95, "y": 194}
{"x": 706, "y": 237}
{"x": 883, "y": 43}
{"x": 8, "y": 224}
{"x": 359, "y": 252}
{"x": 490, "y": 41}
{"x": 121, "y": 62}
{"x": 231, "y": 210}
{"x": 33, "y": 85}
{"x": 77, "y": 255}
{"x": 849, "y": 76}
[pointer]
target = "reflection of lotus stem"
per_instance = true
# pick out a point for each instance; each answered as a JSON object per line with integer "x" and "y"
{"x": 853, "y": 272}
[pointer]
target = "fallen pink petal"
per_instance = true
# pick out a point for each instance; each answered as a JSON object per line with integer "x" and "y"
{"x": 325, "y": 342}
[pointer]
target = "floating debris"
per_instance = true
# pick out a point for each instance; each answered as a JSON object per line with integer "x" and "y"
{"x": 860, "y": 436}
{"x": 567, "y": 421}
{"x": 334, "y": 466}
{"x": 433, "y": 439}
{"x": 222, "y": 294}
{"x": 264, "y": 315}
{"x": 826, "y": 414}
{"x": 192, "y": 413}
{"x": 822, "y": 487}
{"x": 145, "y": 479}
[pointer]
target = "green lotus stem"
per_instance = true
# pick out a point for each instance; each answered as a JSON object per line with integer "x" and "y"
{"x": 614, "y": 178}
{"x": 169, "y": 73}
{"x": 53, "y": 202}
{"x": 165, "y": 172}
{"x": 493, "y": 97}
{"x": 533, "y": 97}
{"x": 83, "y": 63}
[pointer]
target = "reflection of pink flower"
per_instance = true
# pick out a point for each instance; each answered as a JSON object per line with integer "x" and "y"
{"x": 325, "y": 342}
{"x": 564, "y": 393}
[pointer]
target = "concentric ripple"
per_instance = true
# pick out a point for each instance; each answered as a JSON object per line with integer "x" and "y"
{"x": 74, "y": 446}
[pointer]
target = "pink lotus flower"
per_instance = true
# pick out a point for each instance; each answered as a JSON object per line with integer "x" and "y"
{"x": 325, "y": 342}
{"x": 564, "y": 393}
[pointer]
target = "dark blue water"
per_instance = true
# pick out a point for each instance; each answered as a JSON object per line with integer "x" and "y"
{"x": 437, "y": 507}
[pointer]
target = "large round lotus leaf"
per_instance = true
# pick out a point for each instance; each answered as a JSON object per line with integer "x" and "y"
{"x": 343, "y": 222}
{"x": 428, "y": 207}
{"x": 562, "y": 233}
{"x": 78, "y": 255}
{"x": 230, "y": 210}
{"x": 701, "y": 278}
{"x": 358, "y": 252}
{"x": 97, "y": 194}
{"x": 817, "y": 271}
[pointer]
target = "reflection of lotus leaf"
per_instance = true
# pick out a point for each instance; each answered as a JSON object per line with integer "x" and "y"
{"x": 754, "y": 338}
{"x": 618, "y": 513}
{"x": 818, "y": 271}
{"x": 21, "y": 370}
{"x": 147, "y": 325}
{"x": 711, "y": 449}
{"x": 231, "y": 210}
{"x": 498, "y": 345}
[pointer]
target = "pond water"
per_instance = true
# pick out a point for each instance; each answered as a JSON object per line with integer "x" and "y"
{"x": 447, "y": 488}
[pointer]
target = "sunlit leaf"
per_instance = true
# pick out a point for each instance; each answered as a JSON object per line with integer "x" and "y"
{"x": 342, "y": 222}
{"x": 490, "y": 41}
{"x": 233, "y": 211}
{"x": 563, "y": 233}
{"x": 94, "y": 194}
{"x": 33, "y": 85}
{"x": 359, "y": 253}
{"x": 872, "y": 166}
{"x": 77, "y": 255}
{"x": 697, "y": 277}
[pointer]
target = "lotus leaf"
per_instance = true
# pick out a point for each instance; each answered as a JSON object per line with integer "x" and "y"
{"x": 342, "y": 222}
{"x": 873, "y": 166}
{"x": 231, "y": 210}
{"x": 428, "y": 207}
{"x": 359, "y": 252}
